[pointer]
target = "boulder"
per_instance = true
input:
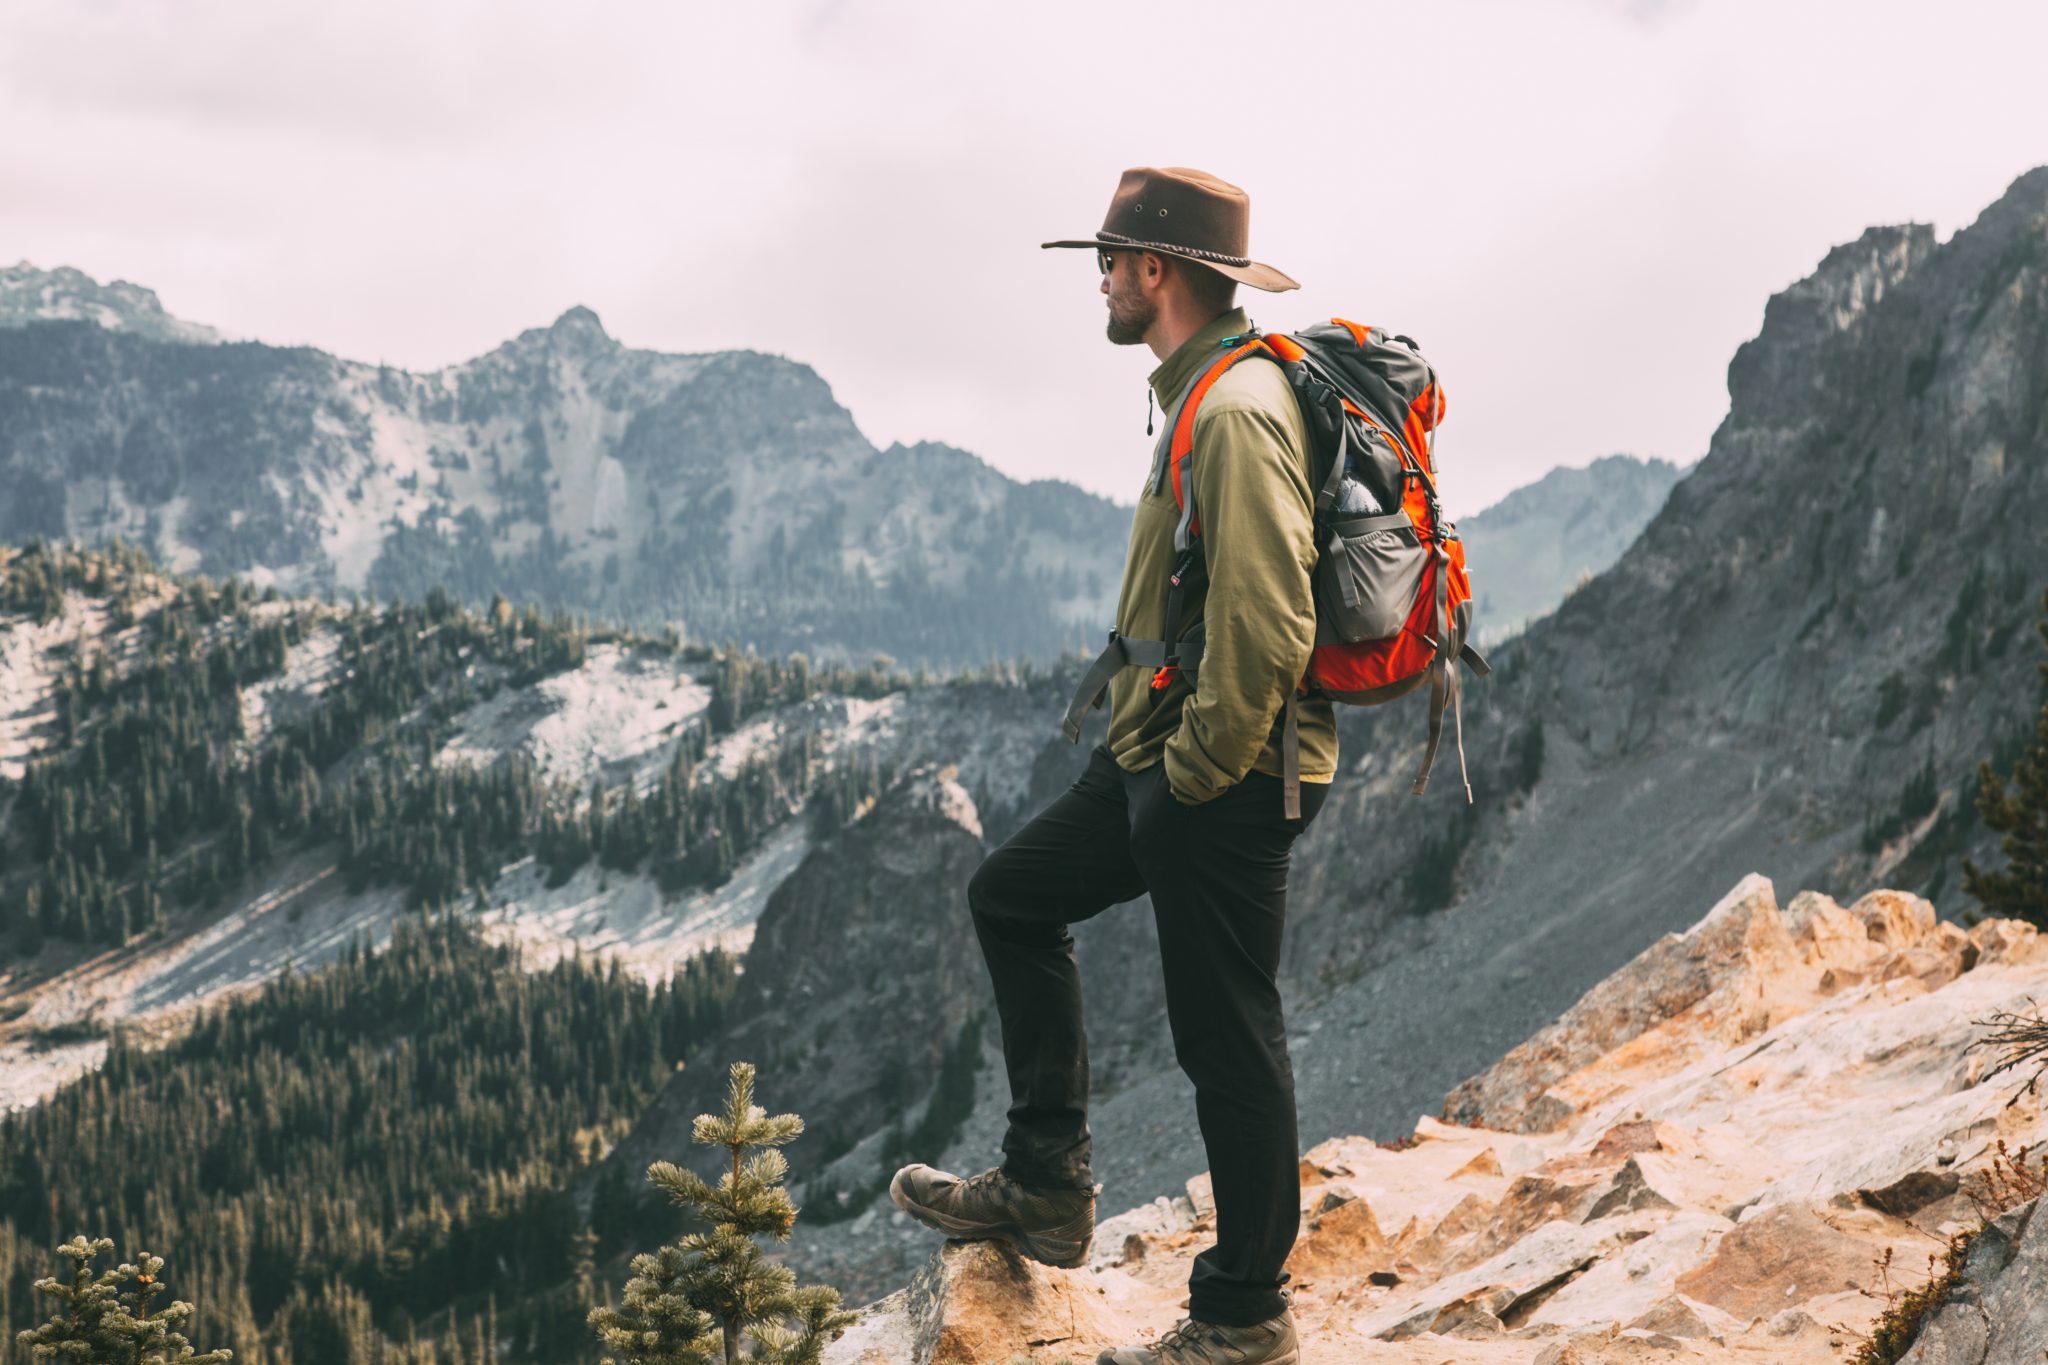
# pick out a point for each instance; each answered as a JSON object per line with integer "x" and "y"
{"x": 1509, "y": 1284}
{"x": 1675, "y": 1315}
{"x": 1639, "y": 1280}
{"x": 1343, "y": 1240}
{"x": 1998, "y": 1314}
{"x": 1671, "y": 976}
{"x": 1631, "y": 1192}
{"x": 981, "y": 1301}
{"x": 1775, "y": 1259}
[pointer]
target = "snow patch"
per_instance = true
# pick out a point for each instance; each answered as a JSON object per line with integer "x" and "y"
{"x": 171, "y": 551}
{"x": 624, "y": 703}
{"x": 308, "y": 666}
{"x": 626, "y": 916}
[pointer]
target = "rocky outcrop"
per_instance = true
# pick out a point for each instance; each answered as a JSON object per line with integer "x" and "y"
{"x": 1708, "y": 1157}
{"x": 857, "y": 983}
{"x": 29, "y": 295}
{"x": 1998, "y": 1314}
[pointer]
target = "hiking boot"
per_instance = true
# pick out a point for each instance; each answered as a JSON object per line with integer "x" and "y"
{"x": 1053, "y": 1227}
{"x": 1207, "y": 1343}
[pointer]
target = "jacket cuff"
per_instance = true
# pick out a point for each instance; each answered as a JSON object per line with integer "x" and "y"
{"x": 1189, "y": 781}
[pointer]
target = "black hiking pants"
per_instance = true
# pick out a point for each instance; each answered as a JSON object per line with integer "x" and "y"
{"x": 1217, "y": 873}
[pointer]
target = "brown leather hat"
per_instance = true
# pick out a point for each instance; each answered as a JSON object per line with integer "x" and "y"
{"x": 1183, "y": 212}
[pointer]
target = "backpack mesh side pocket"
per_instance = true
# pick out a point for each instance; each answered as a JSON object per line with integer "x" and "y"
{"x": 1369, "y": 573}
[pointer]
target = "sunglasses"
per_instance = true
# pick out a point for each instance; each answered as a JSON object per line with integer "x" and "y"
{"x": 1106, "y": 258}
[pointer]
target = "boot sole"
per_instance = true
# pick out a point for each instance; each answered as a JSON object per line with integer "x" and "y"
{"x": 1054, "y": 1252}
{"x": 1292, "y": 1357}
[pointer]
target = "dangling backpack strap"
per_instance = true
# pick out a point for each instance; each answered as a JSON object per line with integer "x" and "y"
{"x": 1290, "y": 763}
{"x": 1443, "y": 679}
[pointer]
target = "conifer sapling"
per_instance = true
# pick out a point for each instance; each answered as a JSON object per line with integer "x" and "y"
{"x": 691, "y": 1303}
{"x": 105, "y": 1318}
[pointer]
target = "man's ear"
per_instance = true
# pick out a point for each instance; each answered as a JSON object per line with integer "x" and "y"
{"x": 1154, "y": 270}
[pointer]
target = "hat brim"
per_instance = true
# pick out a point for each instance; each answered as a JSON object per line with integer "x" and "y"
{"x": 1253, "y": 273}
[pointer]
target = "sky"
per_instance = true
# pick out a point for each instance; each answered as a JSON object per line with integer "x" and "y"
{"x": 1577, "y": 207}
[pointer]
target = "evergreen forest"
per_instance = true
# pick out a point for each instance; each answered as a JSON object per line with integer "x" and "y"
{"x": 370, "y": 1162}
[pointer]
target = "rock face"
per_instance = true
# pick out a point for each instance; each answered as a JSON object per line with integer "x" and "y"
{"x": 1707, "y": 1159}
{"x": 1999, "y": 1314}
{"x": 857, "y": 983}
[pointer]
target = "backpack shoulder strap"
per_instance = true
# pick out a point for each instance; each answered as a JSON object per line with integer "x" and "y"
{"x": 1182, "y": 443}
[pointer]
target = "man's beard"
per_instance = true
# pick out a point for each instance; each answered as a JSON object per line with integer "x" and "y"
{"x": 1130, "y": 318}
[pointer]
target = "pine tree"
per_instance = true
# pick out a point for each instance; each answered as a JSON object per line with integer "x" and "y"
{"x": 2020, "y": 813}
{"x": 690, "y": 1303}
{"x": 102, "y": 1319}
{"x": 657, "y": 1324}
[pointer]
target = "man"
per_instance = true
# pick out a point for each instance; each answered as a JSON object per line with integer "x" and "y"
{"x": 1184, "y": 800}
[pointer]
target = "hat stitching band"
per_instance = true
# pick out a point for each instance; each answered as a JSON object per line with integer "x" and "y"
{"x": 1120, "y": 239}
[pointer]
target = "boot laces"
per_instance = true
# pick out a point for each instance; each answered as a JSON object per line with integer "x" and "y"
{"x": 993, "y": 1177}
{"x": 1186, "y": 1333}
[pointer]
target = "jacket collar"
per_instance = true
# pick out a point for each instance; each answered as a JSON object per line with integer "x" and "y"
{"x": 1180, "y": 368}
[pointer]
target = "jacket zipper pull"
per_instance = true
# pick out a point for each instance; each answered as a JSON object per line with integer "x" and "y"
{"x": 1148, "y": 409}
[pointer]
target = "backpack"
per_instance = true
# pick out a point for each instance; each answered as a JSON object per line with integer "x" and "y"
{"x": 1393, "y": 601}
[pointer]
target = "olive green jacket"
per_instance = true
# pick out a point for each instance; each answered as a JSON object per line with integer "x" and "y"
{"x": 1254, "y": 496}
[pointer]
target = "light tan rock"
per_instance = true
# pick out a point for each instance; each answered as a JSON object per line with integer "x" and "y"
{"x": 1344, "y": 1241}
{"x": 1776, "y": 1259}
{"x": 2008, "y": 940}
{"x": 980, "y": 1301}
{"x": 1484, "y": 1164}
{"x": 1638, "y": 1275}
{"x": 1145, "y": 1224}
{"x": 1699, "y": 969}
{"x": 1726, "y": 1137}
{"x": 1434, "y": 1250}
{"x": 1641, "y": 1135}
{"x": 1677, "y": 1316}
{"x": 1895, "y": 919}
{"x": 1534, "y": 1267}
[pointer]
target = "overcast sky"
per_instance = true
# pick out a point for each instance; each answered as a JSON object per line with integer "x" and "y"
{"x": 1578, "y": 207}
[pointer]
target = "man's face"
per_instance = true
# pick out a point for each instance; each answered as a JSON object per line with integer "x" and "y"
{"x": 1131, "y": 311}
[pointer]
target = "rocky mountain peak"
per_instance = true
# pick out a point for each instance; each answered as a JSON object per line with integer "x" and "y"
{"x": 576, "y": 334}
{"x": 1776, "y": 367}
{"x": 579, "y": 324}
{"x": 29, "y": 294}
